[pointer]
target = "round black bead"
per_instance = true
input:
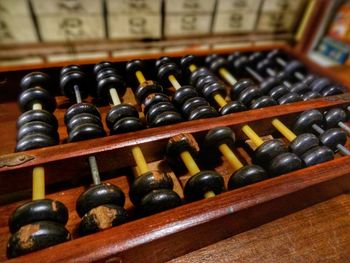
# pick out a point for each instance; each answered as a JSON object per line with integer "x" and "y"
{"x": 119, "y": 112}
{"x": 306, "y": 120}
{"x": 218, "y": 63}
{"x": 289, "y": 98}
{"x": 319, "y": 84}
{"x": 183, "y": 94}
{"x": 300, "y": 88}
{"x": 34, "y": 141}
{"x": 249, "y": 94}
{"x": 263, "y": 101}
{"x": 85, "y": 131}
{"x": 157, "y": 109}
{"x": 285, "y": 163}
{"x": 108, "y": 82}
{"x": 232, "y": 107}
{"x": 34, "y": 80}
{"x": 43, "y": 234}
{"x": 316, "y": 155}
{"x": 162, "y": 61}
{"x": 278, "y": 91}
{"x": 157, "y": 201}
{"x": 38, "y": 210}
{"x": 79, "y": 108}
{"x": 292, "y": 67}
{"x": 97, "y": 195}
{"x": 152, "y": 99}
{"x": 102, "y": 217}
{"x": 268, "y": 151}
{"x": 268, "y": 84}
{"x": 133, "y": 66}
{"x": 83, "y": 118}
{"x": 218, "y": 136}
{"x": 71, "y": 79}
{"x": 181, "y": 143}
{"x": 35, "y": 95}
{"x": 332, "y": 90}
{"x": 166, "y": 118}
{"x": 204, "y": 81}
{"x": 37, "y": 115}
{"x": 201, "y": 183}
{"x": 146, "y": 88}
{"x": 311, "y": 95}
{"x": 187, "y": 61}
{"x": 203, "y": 112}
{"x": 239, "y": 86}
{"x": 303, "y": 142}
{"x": 35, "y": 127}
{"x": 127, "y": 124}
{"x": 333, "y": 137}
{"x": 334, "y": 116}
{"x": 192, "y": 104}
{"x": 249, "y": 174}
{"x": 212, "y": 89}
{"x": 165, "y": 71}
{"x": 199, "y": 74}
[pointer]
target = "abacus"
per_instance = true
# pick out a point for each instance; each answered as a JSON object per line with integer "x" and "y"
{"x": 182, "y": 151}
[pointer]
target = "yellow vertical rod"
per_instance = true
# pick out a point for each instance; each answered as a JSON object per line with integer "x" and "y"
{"x": 174, "y": 82}
{"x": 192, "y": 68}
{"x": 190, "y": 164}
{"x": 252, "y": 135}
{"x": 227, "y": 76}
{"x": 140, "y": 160}
{"x": 140, "y": 77}
{"x": 38, "y": 183}
{"x": 220, "y": 100}
{"x": 284, "y": 130}
{"x": 230, "y": 156}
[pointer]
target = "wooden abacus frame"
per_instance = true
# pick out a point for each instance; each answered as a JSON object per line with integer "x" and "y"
{"x": 178, "y": 231}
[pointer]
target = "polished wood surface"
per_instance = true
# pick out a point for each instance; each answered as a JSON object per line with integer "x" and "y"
{"x": 319, "y": 233}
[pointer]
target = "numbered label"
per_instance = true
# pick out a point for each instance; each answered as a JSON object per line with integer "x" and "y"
{"x": 67, "y": 6}
{"x": 276, "y": 22}
{"x": 185, "y": 25}
{"x": 134, "y": 6}
{"x": 11, "y": 7}
{"x": 134, "y": 27}
{"x": 234, "y": 22}
{"x": 281, "y": 5}
{"x": 237, "y": 5}
{"x": 12, "y": 30}
{"x": 71, "y": 28}
{"x": 189, "y": 6}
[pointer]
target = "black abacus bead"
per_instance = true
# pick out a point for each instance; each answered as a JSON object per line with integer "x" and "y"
{"x": 34, "y": 80}
{"x": 102, "y": 66}
{"x": 267, "y": 84}
{"x": 293, "y": 66}
{"x": 201, "y": 183}
{"x": 210, "y": 58}
{"x": 38, "y": 210}
{"x": 34, "y": 141}
{"x": 232, "y": 107}
{"x": 311, "y": 95}
{"x": 35, "y": 127}
{"x": 303, "y": 142}
{"x": 34, "y": 95}
{"x": 187, "y": 61}
{"x": 162, "y": 61}
{"x": 85, "y": 131}
{"x": 309, "y": 79}
{"x": 79, "y": 108}
{"x": 218, "y": 136}
{"x": 119, "y": 112}
{"x": 249, "y": 94}
{"x": 183, "y": 94}
{"x": 71, "y": 79}
{"x": 37, "y": 115}
{"x": 157, "y": 109}
{"x": 108, "y": 72}
{"x": 278, "y": 91}
{"x": 205, "y": 81}
{"x": 203, "y": 112}
{"x": 269, "y": 150}
{"x": 249, "y": 174}
{"x": 179, "y": 144}
{"x": 97, "y": 195}
{"x": 239, "y": 86}
{"x": 334, "y": 116}
{"x": 198, "y": 74}
{"x": 289, "y": 98}
{"x": 319, "y": 84}
{"x": 333, "y": 137}
{"x": 300, "y": 88}
{"x": 306, "y": 120}
{"x": 157, "y": 201}
{"x": 102, "y": 217}
{"x": 152, "y": 99}
{"x": 192, "y": 104}
{"x": 145, "y": 183}
{"x": 43, "y": 234}
{"x": 165, "y": 71}
{"x": 108, "y": 82}
{"x": 276, "y": 53}
{"x": 263, "y": 101}
{"x": 69, "y": 68}
{"x": 263, "y": 65}
{"x": 316, "y": 155}
{"x": 81, "y": 119}
{"x": 133, "y": 66}
{"x": 127, "y": 124}
{"x": 146, "y": 88}
{"x": 240, "y": 64}
{"x": 285, "y": 163}
{"x": 218, "y": 63}
{"x": 212, "y": 89}
{"x": 166, "y": 118}
{"x": 332, "y": 90}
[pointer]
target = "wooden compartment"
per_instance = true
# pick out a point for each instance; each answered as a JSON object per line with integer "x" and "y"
{"x": 177, "y": 231}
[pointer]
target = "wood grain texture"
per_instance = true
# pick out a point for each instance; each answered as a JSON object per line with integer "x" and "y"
{"x": 319, "y": 233}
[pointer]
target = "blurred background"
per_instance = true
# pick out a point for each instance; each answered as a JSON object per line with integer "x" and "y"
{"x": 51, "y": 31}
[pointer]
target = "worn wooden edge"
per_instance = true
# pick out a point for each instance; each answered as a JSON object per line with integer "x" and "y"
{"x": 111, "y": 149}
{"x": 192, "y": 226}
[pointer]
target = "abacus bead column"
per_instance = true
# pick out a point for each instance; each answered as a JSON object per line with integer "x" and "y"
{"x": 29, "y": 97}
{"x": 43, "y": 234}
{"x": 222, "y": 139}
